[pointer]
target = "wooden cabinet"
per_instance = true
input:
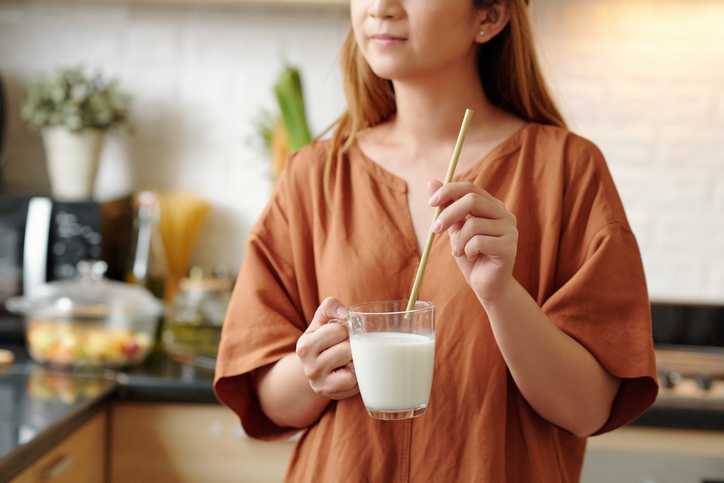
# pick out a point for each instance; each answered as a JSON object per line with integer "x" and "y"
{"x": 79, "y": 458}
{"x": 189, "y": 443}
{"x": 655, "y": 455}
{"x": 170, "y": 443}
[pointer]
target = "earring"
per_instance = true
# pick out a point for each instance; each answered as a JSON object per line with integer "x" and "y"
{"x": 481, "y": 33}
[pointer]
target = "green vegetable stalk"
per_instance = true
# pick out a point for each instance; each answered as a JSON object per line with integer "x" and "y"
{"x": 290, "y": 97}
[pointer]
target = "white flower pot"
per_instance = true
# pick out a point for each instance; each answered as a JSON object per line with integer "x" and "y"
{"x": 116, "y": 176}
{"x": 73, "y": 160}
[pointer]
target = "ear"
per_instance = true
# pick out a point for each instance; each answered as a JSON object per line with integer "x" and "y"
{"x": 492, "y": 20}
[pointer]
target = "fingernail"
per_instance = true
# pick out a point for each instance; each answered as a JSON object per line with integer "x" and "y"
{"x": 341, "y": 312}
{"x": 436, "y": 226}
{"x": 434, "y": 199}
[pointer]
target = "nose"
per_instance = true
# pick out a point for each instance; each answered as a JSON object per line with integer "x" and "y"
{"x": 385, "y": 9}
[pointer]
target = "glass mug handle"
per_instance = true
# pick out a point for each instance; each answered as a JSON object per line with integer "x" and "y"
{"x": 353, "y": 323}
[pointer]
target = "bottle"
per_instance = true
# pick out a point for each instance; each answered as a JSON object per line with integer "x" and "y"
{"x": 147, "y": 265}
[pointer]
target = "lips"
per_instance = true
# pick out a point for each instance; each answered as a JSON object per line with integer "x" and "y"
{"x": 387, "y": 37}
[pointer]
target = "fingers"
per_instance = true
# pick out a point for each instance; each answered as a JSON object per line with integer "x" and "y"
{"x": 342, "y": 383}
{"x": 330, "y": 308}
{"x": 331, "y": 373}
{"x": 433, "y": 185}
{"x": 472, "y": 227}
{"x": 337, "y": 384}
{"x": 311, "y": 344}
{"x": 453, "y": 191}
{"x": 492, "y": 246}
{"x": 472, "y": 204}
{"x": 325, "y": 353}
{"x": 335, "y": 357}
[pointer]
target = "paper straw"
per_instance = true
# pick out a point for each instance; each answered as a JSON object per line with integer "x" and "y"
{"x": 431, "y": 235}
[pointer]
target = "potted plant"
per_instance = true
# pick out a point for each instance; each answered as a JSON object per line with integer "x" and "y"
{"x": 73, "y": 110}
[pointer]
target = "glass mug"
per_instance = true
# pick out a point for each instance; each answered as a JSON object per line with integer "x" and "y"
{"x": 393, "y": 356}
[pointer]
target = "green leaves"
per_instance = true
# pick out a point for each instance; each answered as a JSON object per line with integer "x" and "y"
{"x": 265, "y": 122}
{"x": 76, "y": 100}
{"x": 290, "y": 97}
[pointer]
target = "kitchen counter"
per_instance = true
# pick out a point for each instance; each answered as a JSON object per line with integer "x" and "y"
{"x": 684, "y": 413}
{"x": 38, "y": 410}
{"x": 40, "y": 407}
{"x": 161, "y": 379}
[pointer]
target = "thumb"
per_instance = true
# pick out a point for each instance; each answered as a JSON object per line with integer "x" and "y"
{"x": 329, "y": 309}
{"x": 433, "y": 185}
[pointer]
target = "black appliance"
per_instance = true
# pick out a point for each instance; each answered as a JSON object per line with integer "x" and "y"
{"x": 689, "y": 345}
{"x": 688, "y": 325}
{"x": 43, "y": 240}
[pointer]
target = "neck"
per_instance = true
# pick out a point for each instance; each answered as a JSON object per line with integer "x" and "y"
{"x": 430, "y": 108}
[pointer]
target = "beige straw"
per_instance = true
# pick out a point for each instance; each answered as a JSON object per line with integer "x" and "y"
{"x": 450, "y": 174}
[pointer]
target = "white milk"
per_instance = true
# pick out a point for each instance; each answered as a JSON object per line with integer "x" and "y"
{"x": 394, "y": 369}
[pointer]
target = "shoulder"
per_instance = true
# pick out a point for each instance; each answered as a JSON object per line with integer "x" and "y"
{"x": 292, "y": 199}
{"x": 303, "y": 175}
{"x": 563, "y": 141}
{"x": 588, "y": 190}
{"x": 575, "y": 153}
{"x": 305, "y": 167}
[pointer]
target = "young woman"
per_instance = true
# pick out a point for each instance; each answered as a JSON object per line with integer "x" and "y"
{"x": 543, "y": 322}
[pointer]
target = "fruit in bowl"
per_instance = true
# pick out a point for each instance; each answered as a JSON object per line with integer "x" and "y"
{"x": 90, "y": 321}
{"x": 63, "y": 344}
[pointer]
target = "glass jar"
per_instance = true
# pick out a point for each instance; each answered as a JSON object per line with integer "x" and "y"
{"x": 192, "y": 327}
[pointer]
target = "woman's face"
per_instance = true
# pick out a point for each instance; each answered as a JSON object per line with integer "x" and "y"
{"x": 407, "y": 38}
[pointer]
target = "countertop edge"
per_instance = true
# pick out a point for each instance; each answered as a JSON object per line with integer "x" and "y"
{"x": 660, "y": 416}
{"x": 24, "y": 455}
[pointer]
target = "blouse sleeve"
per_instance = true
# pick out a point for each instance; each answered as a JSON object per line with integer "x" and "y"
{"x": 602, "y": 299}
{"x": 263, "y": 321}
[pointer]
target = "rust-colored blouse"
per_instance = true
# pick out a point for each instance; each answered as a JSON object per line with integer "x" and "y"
{"x": 576, "y": 257}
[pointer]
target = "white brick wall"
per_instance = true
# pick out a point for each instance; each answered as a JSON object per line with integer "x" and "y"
{"x": 198, "y": 74}
{"x": 642, "y": 78}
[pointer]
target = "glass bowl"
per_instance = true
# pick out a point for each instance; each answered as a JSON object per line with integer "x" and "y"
{"x": 90, "y": 322}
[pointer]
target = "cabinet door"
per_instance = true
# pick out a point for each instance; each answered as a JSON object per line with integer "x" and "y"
{"x": 655, "y": 455}
{"x": 189, "y": 443}
{"x": 80, "y": 458}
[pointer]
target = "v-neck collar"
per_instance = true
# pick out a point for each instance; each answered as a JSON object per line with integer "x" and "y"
{"x": 382, "y": 174}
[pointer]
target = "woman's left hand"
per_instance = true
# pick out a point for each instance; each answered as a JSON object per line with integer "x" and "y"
{"x": 483, "y": 235}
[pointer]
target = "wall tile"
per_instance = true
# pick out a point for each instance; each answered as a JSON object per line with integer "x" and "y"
{"x": 640, "y": 78}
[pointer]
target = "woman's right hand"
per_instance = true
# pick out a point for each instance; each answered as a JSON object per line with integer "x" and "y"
{"x": 326, "y": 355}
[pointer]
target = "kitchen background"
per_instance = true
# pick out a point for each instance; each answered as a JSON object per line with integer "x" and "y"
{"x": 642, "y": 78}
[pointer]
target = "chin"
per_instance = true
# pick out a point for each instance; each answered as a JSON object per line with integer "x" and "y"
{"x": 390, "y": 69}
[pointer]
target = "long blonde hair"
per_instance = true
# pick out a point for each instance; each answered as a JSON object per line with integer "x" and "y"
{"x": 509, "y": 74}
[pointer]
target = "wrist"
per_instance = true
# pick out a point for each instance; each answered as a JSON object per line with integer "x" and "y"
{"x": 504, "y": 293}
